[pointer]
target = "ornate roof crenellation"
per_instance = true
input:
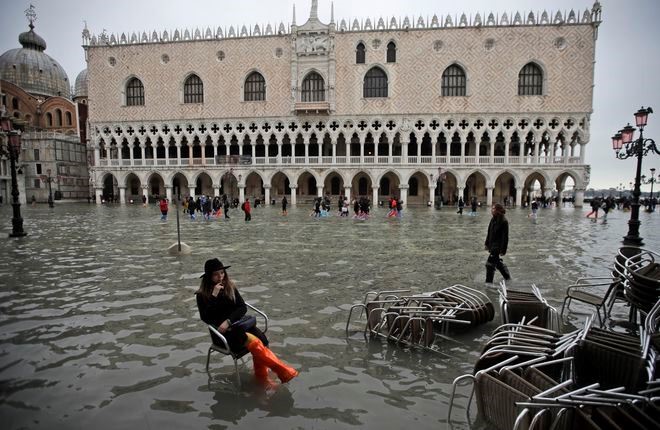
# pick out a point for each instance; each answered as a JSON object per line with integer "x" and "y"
{"x": 571, "y": 17}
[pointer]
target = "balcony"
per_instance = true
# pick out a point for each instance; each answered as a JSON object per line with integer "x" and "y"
{"x": 312, "y": 107}
{"x": 342, "y": 160}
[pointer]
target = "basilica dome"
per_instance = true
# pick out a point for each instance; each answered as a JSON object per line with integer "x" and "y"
{"x": 32, "y": 69}
{"x": 80, "y": 88}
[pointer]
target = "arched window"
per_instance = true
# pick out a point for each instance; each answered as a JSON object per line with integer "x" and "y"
{"x": 313, "y": 88}
{"x": 255, "y": 87}
{"x": 375, "y": 83}
{"x": 530, "y": 80}
{"x": 360, "y": 53}
{"x": 391, "y": 52}
{"x": 14, "y": 103}
{"x": 49, "y": 119}
{"x": 193, "y": 90}
{"x": 58, "y": 118}
{"x": 69, "y": 120}
{"x": 134, "y": 93}
{"x": 453, "y": 81}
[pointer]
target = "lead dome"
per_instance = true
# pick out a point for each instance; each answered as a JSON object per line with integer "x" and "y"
{"x": 32, "y": 69}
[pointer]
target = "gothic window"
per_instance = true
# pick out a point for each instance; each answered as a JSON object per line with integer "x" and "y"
{"x": 69, "y": 120}
{"x": 530, "y": 80}
{"x": 360, "y": 53}
{"x": 375, "y": 83}
{"x": 313, "y": 88}
{"x": 134, "y": 93}
{"x": 193, "y": 90}
{"x": 453, "y": 81}
{"x": 255, "y": 87}
{"x": 14, "y": 103}
{"x": 391, "y": 52}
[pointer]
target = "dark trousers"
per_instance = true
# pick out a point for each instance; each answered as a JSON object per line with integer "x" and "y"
{"x": 495, "y": 262}
{"x": 248, "y": 216}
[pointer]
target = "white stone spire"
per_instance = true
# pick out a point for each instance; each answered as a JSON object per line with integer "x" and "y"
{"x": 313, "y": 14}
{"x": 293, "y": 22}
{"x": 332, "y": 12}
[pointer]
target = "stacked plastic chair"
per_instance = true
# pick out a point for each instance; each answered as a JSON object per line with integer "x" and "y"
{"x": 528, "y": 305}
{"x": 642, "y": 273}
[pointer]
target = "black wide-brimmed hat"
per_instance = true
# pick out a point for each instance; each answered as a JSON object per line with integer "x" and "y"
{"x": 213, "y": 265}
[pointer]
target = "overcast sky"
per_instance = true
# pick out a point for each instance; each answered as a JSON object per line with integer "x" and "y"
{"x": 627, "y": 50}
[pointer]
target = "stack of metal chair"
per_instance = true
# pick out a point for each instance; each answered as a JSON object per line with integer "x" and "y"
{"x": 421, "y": 320}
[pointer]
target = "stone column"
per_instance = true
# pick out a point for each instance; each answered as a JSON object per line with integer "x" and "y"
{"x": 391, "y": 152}
{"x": 374, "y": 195}
{"x": 178, "y": 153}
{"x": 122, "y": 195}
{"x": 145, "y": 193}
{"x": 191, "y": 191}
{"x": 99, "y": 195}
{"x": 519, "y": 191}
{"x": 403, "y": 194}
{"x": 294, "y": 189}
{"x": 404, "y": 151}
{"x": 168, "y": 193}
{"x": 319, "y": 191}
{"x": 216, "y": 190}
{"x": 463, "y": 143}
{"x": 361, "y": 150}
{"x": 97, "y": 156}
{"x": 267, "y": 194}
{"x": 582, "y": 146}
{"x": 143, "y": 153}
{"x": 241, "y": 193}
{"x": 489, "y": 196}
{"x": 547, "y": 192}
{"x": 432, "y": 188}
{"x": 279, "y": 150}
{"x": 348, "y": 150}
{"x": 306, "y": 152}
{"x": 507, "y": 144}
{"x": 579, "y": 197}
{"x": 461, "y": 193}
{"x": 347, "y": 193}
{"x": 334, "y": 152}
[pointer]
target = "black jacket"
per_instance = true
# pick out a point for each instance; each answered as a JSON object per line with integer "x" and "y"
{"x": 497, "y": 238}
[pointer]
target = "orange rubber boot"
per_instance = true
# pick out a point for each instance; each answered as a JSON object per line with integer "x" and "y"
{"x": 264, "y": 357}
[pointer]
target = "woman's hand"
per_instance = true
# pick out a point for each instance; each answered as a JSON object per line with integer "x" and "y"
{"x": 217, "y": 288}
{"x": 224, "y": 326}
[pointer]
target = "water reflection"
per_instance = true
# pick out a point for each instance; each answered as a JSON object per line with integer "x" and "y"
{"x": 99, "y": 325}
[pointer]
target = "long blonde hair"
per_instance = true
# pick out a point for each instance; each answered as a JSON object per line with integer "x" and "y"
{"x": 206, "y": 287}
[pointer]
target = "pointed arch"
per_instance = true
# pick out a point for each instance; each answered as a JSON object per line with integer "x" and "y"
{"x": 313, "y": 88}
{"x": 134, "y": 92}
{"x": 530, "y": 80}
{"x": 375, "y": 83}
{"x": 254, "y": 88}
{"x": 454, "y": 81}
{"x": 193, "y": 89}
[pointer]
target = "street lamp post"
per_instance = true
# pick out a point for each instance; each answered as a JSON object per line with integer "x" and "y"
{"x": 652, "y": 180}
{"x": 13, "y": 149}
{"x": 50, "y": 190}
{"x": 626, "y": 147}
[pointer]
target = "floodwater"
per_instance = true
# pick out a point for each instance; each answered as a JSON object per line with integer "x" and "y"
{"x": 99, "y": 327}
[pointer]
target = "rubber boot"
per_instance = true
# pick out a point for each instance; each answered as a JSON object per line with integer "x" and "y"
{"x": 265, "y": 357}
{"x": 261, "y": 374}
{"x": 490, "y": 274}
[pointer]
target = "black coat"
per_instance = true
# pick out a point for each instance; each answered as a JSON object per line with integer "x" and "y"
{"x": 215, "y": 310}
{"x": 497, "y": 239}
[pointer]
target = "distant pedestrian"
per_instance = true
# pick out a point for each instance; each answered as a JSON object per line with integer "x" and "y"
{"x": 225, "y": 206}
{"x": 164, "y": 207}
{"x": 285, "y": 202}
{"x": 497, "y": 241}
{"x": 595, "y": 204}
{"x": 461, "y": 205}
{"x": 473, "y": 206}
{"x": 247, "y": 209}
{"x": 144, "y": 200}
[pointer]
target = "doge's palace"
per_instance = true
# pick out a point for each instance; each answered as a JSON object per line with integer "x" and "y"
{"x": 488, "y": 106}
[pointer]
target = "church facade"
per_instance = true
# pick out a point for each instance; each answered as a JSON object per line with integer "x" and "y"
{"x": 484, "y": 107}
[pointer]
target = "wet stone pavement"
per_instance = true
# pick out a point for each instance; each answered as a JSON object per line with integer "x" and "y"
{"x": 99, "y": 327}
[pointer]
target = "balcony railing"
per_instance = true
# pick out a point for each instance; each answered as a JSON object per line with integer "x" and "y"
{"x": 342, "y": 160}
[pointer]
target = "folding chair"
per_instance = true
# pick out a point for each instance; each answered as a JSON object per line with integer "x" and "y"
{"x": 219, "y": 344}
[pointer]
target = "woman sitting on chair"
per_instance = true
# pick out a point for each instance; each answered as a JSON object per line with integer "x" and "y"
{"x": 220, "y": 305}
